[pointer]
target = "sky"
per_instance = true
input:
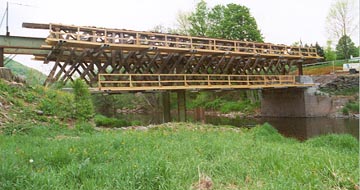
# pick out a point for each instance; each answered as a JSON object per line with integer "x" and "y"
{"x": 280, "y": 21}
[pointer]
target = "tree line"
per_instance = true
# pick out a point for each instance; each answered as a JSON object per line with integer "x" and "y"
{"x": 235, "y": 22}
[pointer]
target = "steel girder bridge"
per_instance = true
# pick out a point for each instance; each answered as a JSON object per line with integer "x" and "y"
{"x": 124, "y": 60}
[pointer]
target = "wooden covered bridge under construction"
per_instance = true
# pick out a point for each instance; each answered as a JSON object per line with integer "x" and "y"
{"x": 118, "y": 60}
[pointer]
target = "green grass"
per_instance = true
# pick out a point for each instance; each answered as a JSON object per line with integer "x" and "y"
{"x": 242, "y": 106}
{"x": 324, "y": 69}
{"x": 172, "y": 156}
{"x": 103, "y": 121}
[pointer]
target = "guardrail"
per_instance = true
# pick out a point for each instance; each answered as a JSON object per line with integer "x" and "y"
{"x": 156, "y": 39}
{"x": 129, "y": 82}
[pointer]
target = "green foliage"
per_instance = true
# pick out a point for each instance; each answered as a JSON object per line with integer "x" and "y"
{"x": 85, "y": 127}
{"x": 199, "y": 101}
{"x": 233, "y": 22}
{"x": 242, "y": 106}
{"x": 215, "y": 104}
{"x": 172, "y": 156}
{"x": 103, "y": 121}
{"x": 199, "y": 21}
{"x": 319, "y": 50}
{"x": 330, "y": 54}
{"x": 223, "y": 102}
{"x": 345, "y": 91}
{"x": 345, "y": 48}
{"x": 32, "y": 76}
{"x": 56, "y": 103}
{"x": 84, "y": 109}
{"x": 351, "y": 107}
{"x": 266, "y": 132}
{"x": 230, "y": 22}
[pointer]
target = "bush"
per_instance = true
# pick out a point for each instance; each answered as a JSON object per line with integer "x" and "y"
{"x": 352, "y": 106}
{"x": 56, "y": 103}
{"x": 215, "y": 104}
{"x": 103, "y": 121}
{"x": 84, "y": 109}
{"x": 345, "y": 111}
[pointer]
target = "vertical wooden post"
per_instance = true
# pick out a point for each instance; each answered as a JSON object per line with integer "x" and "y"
{"x": 1, "y": 57}
{"x": 300, "y": 69}
{"x": 181, "y": 100}
{"x": 165, "y": 96}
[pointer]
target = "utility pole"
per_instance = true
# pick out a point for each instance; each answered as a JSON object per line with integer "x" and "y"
{"x": 7, "y": 19}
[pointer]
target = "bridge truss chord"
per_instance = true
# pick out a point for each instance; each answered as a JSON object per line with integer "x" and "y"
{"x": 91, "y": 52}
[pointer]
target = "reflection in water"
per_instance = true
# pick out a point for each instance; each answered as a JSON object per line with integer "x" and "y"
{"x": 300, "y": 128}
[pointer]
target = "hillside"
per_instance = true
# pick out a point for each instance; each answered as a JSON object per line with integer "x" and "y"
{"x": 22, "y": 106}
{"x": 32, "y": 76}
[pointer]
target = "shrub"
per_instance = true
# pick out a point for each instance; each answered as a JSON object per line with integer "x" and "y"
{"x": 352, "y": 106}
{"x": 215, "y": 104}
{"x": 345, "y": 111}
{"x": 84, "y": 109}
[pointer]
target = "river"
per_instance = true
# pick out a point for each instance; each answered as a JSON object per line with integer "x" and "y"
{"x": 299, "y": 128}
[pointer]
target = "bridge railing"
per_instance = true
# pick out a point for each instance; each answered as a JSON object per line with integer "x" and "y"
{"x": 190, "y": 81}
{"x": 136, "y": 38}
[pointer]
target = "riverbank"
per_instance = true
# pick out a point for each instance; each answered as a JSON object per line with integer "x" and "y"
{"x": 176, "y": 156}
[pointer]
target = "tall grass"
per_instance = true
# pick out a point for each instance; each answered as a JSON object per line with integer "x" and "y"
{"x": 172, "y": 156}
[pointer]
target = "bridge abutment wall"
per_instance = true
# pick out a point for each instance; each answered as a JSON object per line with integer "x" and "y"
{"x": 295, "y": 102}
{"x": 283, "y": 103}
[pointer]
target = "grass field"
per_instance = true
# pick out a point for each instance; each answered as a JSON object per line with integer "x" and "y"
{"x": 175, "y": 156}
{"x": 324, "y": 69}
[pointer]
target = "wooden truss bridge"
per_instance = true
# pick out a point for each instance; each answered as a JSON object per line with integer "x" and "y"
{"x": 126, "y": 60}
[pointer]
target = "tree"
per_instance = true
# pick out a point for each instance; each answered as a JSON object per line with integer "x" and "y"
{"x": 330, "y": 54}
{"x": 345, "y": 48}
{"x": 319, "y": 50}
{"x": 231, "y": 22}
{"x": 183, "y": 23}
{"x": 341, "y": 19}
{"x": 198, "y": 20}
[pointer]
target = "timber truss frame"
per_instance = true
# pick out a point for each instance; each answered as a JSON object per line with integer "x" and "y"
{"x": 86, "y": 52}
